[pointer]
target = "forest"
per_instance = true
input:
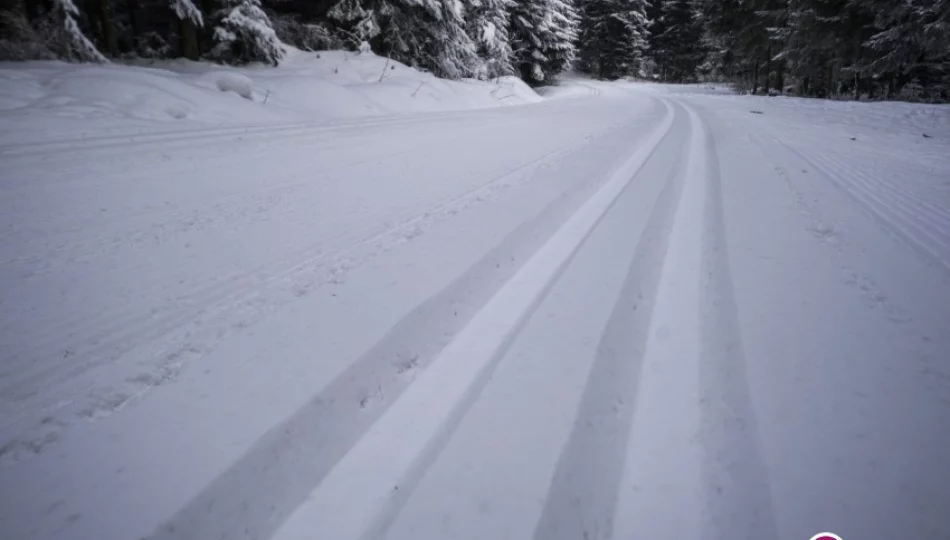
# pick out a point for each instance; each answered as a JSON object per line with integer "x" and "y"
{"x": 847, "y": 49}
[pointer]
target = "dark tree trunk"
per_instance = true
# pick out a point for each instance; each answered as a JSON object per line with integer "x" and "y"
{"x": 780, "y": 77}
{"x": 189, "y": 39}
{"x": 755, "y": 78}
{"x": 208, "y": 8}
{"x": 829, "y": 81}
{"x": 108, "y": 40}
{"x": 135, "y": 21}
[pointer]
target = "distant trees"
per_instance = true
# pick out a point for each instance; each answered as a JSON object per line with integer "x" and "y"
{"x": 543, "y": 35}
{"x": 450, "y": 38}
{"x": 840, "y": 48}
{"x": 613, "y": 37}
{"x": 677, "y": 41}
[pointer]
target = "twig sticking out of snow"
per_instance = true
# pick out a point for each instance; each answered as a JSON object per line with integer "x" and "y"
{"x": 383, "y": 74}
{"x": 417, "y": 89}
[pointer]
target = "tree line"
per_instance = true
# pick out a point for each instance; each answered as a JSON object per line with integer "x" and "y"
{"x": 877, "y": 49}
{"x": 535, "y": 39}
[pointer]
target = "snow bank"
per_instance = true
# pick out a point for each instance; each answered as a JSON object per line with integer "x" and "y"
{"x": 55, "y": 100}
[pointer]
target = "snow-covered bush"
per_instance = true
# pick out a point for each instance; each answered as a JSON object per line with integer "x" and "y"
{"x": 234, "y": 82}
{"x": 243, "y": 34}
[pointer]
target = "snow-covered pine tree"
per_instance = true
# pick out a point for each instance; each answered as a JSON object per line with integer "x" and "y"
{"x": 613, "y": 37}
{"x": 191, "y": 19}
{"x": 186, "y": 9}
{"x": 78, "y": 45}
{"x": 486, "y": 22}
{"x": 679, "y": 48}
{"x": 543, "y": 35}
{"x": 744, "y": 40}
{"x": 563, "y": 47}
{"x": 428, "y": 34}
{"x": 910, "y": 42}
{"x": 243, "y": 33}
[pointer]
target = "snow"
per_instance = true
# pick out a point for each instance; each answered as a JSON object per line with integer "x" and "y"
{"x": 338, "y": 306}
{"x": 51, "y": 100}
{"x": 364, "y": 478}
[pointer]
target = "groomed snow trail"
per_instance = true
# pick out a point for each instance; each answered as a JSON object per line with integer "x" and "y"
{"x": 634, "y": 311}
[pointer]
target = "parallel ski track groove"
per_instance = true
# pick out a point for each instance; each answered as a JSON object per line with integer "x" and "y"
{"x": 583, "y": 494}
{"x": 894, "y": 214}
{"x": 188, "y": 137}
{"x": 734, "y": 464}
{"x": 109, "y": 330}
{"x": 373, "y": 504}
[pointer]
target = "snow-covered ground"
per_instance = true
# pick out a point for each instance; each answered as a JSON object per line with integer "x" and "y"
{"x": 625, "y": 311}
{"x": 54, "y": 101}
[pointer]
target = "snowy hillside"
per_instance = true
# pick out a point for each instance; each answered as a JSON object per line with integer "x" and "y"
{"x": 54, "y": 100}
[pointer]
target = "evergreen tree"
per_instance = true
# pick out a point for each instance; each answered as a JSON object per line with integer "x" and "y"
{"x": 429, "y": 34}
{"x": 543, "y": 33}
{"x": 487, "y": 24}
{"x": 679, "y": 48}
{"x": 78, "y": 45}
{"x": 655, "y": 27}
{"x": 853, "y": 48}
{"x": 744, "y": 40}
{"x": 910, "y": 41}
{"x": 613, "y": 37}
{"x": 190, "y": 20}
{"x": 243, "y": 34}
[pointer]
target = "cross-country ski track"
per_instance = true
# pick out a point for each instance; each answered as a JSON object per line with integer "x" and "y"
{"x": 639, "y": 313}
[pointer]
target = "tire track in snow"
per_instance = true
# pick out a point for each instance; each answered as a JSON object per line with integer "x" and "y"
{"x": 583, "y": 494}
{"x": 739, "y": 502}
{"x": 362, "y": 494}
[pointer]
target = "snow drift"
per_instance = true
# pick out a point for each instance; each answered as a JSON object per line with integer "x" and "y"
{"x": 55, "y": 100}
